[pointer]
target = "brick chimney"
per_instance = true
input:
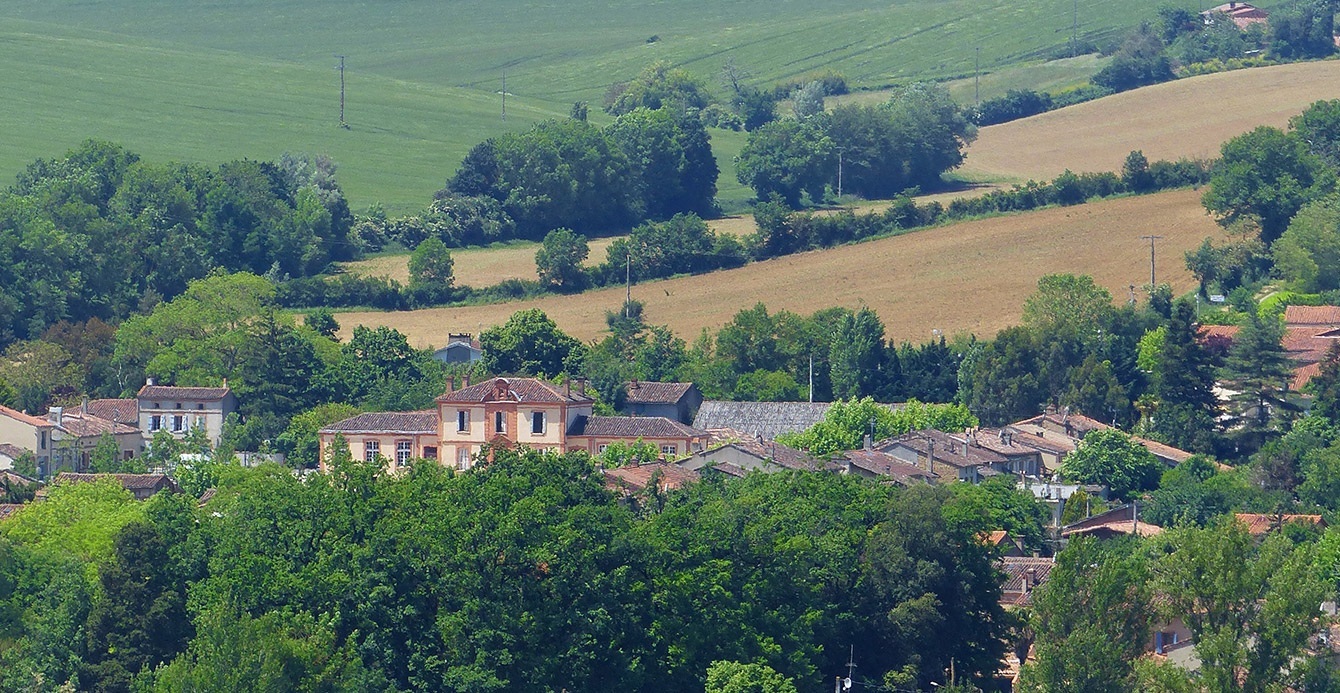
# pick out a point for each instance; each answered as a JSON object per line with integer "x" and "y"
{"x": 567, "y": 387}
{"x": 451, "y": 384}
{"x": 149, "y": 381}
{"x": 632, "y": 384}
{"x": 55, "y": 414}
{"x": 581, "y": 386}
{"x": 466, "y": 382}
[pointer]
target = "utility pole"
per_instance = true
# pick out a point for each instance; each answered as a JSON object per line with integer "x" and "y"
{"x": 851, "y": 665}
{"x": 628, "y": 281}
{"x": 977, "y": 79}
{"x": 839, "y": 190}
{"x": 1152, "y": 282}
{"x": 1074, "y": 32}
{"x": 811, "y": 378}
{"x": 341, "y": 69}
{"x": 504, "y": 96}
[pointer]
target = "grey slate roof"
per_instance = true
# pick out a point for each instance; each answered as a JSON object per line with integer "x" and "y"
{"x": 408, "y": 422}
{"x": 643, "y": 392}
{"x": 768, "y": 419}
{"x": 632, "y": 427}
{"x": 203, "y": 394}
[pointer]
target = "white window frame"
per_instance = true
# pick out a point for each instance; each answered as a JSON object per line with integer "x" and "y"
{"x": 538, "y": 417}
{"x": 178, "y": 423}
{"x": 404, "y": 451}
{"x": 600, "y": 449}
{"x": 463, "y": 458}
{"x": 462, "y": 420}
{"x": 155, "y": 422}
{"x": 670, "y": 449}
{"x": 371, "y": 449}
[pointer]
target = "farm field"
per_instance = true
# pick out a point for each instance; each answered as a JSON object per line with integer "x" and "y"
{"x": 475, "y": 266}
{"x": 1185, "y": 118}
{"x": 210, "y": 82}
{"x": 1052, "y": 75}
{"x": 969, "y": 277}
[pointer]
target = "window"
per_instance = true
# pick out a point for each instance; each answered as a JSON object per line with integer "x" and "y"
{"x": 155, "y": 422}
{"x": 199, "y": 421}
{"x": 600, "y": 449}
{"x": 127, "y": 454}
{"x": 499, "y": 425}
{"x": 404, "y": 449}
{"x": 158, "y": 405}
{"x": 462, "y": 420}
{"x": 44, "y": 440}
{"x": 200, "y": 405}
{"x": 179, "y": 405}
{"x": 671, "y": 450}
{"x": 537, "y": 422}
{"x": 429, "y": 452}
{"x": 371, "y": 449}
{"x": 178, "y": 423}
{"x": 1164, "y": 640}
{"x": 463, "y": 458}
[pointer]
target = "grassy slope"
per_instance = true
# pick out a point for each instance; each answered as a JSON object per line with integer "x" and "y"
{"x": 967, "y": 277}
{"x": 165, "y": 102}
{"x": 209, "y": 81}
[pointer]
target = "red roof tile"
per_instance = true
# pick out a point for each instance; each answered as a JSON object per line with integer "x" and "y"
{"x": 192, "y": 394}
{"x": 130, "y": 482}
{"x": 7, "y": 509}
{"x": 126, "y": 411}
{"x": 527, "y": 390}
{"x": 11, "y": 451}
{"x": 1312, "y": 315}
{"x": 643, "y": 392}
{"x": 88, "y": 426}
{"x": 884, "y": 464}
{"x": 1303, "y": 375}
{"x": 1023, "y": 575}
{"x": 25, "y": 418}
{"x": 1261, "y": 524}
{"x": 639, "y": 477}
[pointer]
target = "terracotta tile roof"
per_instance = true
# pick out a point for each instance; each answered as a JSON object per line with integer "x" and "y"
{"x": 408, "y": 422}
{"x": 130, "y": 482}
{"x": 768, "y": 419}
{"x": 88, "y": 426}
{"x": 1001, "y": 441}
{"x": 206, "y": 496}
{"x": 632, "y": 427}
{"x": 1023, "y": 575}
{"x": 7, "y": 509}
{"x": 1309, "y": 344}
{"x": 1120, "y": 520}
{"x": 126, "y": 411}
{"x": 1258, "y": 524}
{"x": 638, "y": 477}
{"x": 1037, "y": 441}
{"x": 528, "y": 390}
{"x": 1076, "y": 425}
{"x": 193, "y": 394}
{"x": 884, "y": 464}
{"x": 1304, "y": 375}
{"x": 1218, "y": 338}
{"x": 1312, "y": 315}
{"x": 16, "y": 478}
{"x": 643, "y": 392}
{"x": 992, "y": 538}
{"x": 1163, "y": 451}
{"x": 25, "y": 418}
{"x": 782, "y": 455}
{"x": 950, "y": 449}
{"x": 11, "y": 451}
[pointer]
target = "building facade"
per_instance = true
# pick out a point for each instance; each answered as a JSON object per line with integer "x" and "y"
{"x": 180, "y": 410}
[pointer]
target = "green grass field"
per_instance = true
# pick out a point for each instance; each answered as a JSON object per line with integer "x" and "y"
{"x": 211, "y": 81}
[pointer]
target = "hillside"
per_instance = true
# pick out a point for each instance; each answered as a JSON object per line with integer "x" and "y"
{"x": 1185, "y": 118}
{"x": 208, "y": 82}
{"x": 969, "y": 277}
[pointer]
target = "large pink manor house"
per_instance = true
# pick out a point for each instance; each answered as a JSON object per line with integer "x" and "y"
{"x": 504, "y": 412}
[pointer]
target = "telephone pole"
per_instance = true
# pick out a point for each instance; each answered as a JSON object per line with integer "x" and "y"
{"x": 1074, "y": 32}
{"x": 977, "y": 79}
{"x": 839, "y": 190}
{"x": 1152, "y": 281}
{"x": 504, "y": 97}
{"x": 628, "y": 282}
{"x": 341, "y": 69}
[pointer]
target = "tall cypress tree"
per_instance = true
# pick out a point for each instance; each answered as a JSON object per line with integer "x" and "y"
{"x": 860, "y": 363}
{"x": 1259, "y": 372}
{"x": 1188, "y": 408}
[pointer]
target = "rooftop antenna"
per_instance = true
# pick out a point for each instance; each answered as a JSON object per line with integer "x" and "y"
{"x": 341, "y": 69}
